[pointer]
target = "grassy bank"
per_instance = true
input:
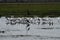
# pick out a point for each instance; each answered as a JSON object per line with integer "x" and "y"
{"x": 42, "y": 9}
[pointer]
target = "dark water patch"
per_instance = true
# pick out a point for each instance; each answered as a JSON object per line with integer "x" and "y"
{"x": 47, "y": 28}
{"x": 19, "y": 36}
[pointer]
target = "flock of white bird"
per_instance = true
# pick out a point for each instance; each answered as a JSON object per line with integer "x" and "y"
{"x": 29, "y": 20}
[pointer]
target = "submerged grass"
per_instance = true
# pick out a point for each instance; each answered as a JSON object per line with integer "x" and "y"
{"x": 40, "y": 9}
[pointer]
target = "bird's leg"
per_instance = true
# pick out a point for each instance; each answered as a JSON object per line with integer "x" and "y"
{"x": 27, "y": 28}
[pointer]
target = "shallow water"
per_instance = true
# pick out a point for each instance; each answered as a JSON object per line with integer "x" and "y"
{"x": 36, "y": 31}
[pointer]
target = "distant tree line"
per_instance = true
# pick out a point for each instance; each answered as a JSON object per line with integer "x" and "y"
{"x": 27, "y": 1}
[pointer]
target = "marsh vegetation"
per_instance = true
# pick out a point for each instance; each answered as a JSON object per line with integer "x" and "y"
{"x": 28, "y": 9}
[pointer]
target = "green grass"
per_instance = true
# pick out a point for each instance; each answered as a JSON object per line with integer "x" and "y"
{"x": 40, "y": 9}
